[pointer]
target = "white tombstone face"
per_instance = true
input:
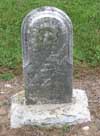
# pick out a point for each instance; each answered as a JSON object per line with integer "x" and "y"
{"x": 47, "y": 56}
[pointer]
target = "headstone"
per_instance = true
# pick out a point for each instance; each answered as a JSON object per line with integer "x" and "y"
{"x": 47, "y": 67}
{"x": 47, "y": 56}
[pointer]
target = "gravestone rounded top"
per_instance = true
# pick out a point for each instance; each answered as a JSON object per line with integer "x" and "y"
{"x": 47, "y": 12}
{"x": 46, "y": 27}
{"x": 47, "y": 55}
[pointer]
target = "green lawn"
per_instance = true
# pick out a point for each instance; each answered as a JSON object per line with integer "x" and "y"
{"x": 85, "y": 15}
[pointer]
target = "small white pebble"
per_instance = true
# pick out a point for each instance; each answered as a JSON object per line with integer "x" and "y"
{"x": 86, "y": 128}
{"x": 8, "y": 85}
{"x": 2, "y": 92}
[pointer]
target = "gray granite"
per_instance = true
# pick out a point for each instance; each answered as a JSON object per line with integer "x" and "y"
{"x": 50, "y": 115}
{"x": 47, "y": 56}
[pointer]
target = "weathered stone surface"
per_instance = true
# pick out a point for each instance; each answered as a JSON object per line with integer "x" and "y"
{"x": 49, "y": 115}
{"x": 47, "y": 56}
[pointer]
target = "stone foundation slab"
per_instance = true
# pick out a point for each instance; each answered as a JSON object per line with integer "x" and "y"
{"x": 49, "y": 115}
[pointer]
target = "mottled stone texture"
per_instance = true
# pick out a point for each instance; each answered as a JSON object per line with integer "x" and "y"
{"x": 47, "y": 56}
{"x": 50, "y": 115}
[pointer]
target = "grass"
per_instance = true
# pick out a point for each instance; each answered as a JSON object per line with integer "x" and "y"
{"x": 6, "y": 76}
{"x": 65, "y": 129}
{"x": 85, "y": 16}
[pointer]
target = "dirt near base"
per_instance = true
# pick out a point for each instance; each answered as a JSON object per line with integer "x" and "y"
{"x": 84, "y": 78}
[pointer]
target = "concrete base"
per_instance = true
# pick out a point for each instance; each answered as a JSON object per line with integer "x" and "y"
{"x": 50, "y": 114}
